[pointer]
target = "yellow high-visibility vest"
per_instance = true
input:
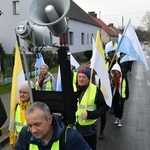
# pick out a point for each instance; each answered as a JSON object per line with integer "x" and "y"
{"x": 18, "y": 122}
{"x": 55, "y": 146}
{"x": 74, "y": 77}
{"x": 47, "y": 88}
{"x": 123, "y": 89}
{"x": 90, "y": 106}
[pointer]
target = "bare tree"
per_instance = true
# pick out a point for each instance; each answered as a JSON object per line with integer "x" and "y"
{"x": 146, "y": 20}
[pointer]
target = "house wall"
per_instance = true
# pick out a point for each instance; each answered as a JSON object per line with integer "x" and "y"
{"x": 105, "y": 37}
{"x": 8, "y": 23}
{"x": 77, "y": 28}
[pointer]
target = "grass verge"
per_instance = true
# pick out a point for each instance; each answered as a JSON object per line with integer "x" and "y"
{"x": 5, "y": 89}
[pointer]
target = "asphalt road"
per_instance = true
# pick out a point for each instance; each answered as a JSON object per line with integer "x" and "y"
{"x": 135, "y": 132}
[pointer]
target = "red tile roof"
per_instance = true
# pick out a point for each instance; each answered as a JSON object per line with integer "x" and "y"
{"x": 114, "y": 28}
{"x": 105, "y": 27}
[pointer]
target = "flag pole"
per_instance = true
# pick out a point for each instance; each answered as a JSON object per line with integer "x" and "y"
{"x": 26, "y": 68}
{"x": 89, "y": 89}
{"x": 115, "y": 54}
{"x": 27, "y": 75}
{"x": 123, "y": 34}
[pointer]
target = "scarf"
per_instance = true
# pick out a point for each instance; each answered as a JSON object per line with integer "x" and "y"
{"x": 41, "y": 80}
{"x": 116, "y": 82}
{"x": 23, "y": 107}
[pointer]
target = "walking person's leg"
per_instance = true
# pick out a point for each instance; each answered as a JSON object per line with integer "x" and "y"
{"x": 103, "y": 123}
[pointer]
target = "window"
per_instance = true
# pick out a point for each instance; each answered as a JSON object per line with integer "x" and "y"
{"x": 92, "y": 38}
{"x": 82, "y": 39}
{"x": 87, "y": 38}
{"x": 71, "y": 37}
{"x": 16, "y": 8}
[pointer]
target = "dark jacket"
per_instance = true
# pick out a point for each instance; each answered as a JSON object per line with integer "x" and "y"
{"x": 3, "y": 115}
{"x": 117, "y": 96}
{"x": 124, "y": 67}
{"x": 74, "y": 141}
{"x": 101, "y": 108}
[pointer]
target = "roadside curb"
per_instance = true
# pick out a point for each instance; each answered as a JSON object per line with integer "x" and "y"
{"x": 4, "y": 141}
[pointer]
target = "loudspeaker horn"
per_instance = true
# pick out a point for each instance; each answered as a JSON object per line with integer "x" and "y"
{"x": 34, "y": 34}
{"x": 50, "y": 13}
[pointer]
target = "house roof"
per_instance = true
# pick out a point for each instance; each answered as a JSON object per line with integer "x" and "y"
{"x": 79, "y": 14}
{"x": 105, "y": 27}
{"x": 114, "y": 28}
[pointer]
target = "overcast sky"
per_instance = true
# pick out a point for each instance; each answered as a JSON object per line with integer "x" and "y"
{"x": 112, "y": 11}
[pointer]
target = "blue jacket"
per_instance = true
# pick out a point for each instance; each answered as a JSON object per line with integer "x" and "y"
{"x": 74, "y": 140}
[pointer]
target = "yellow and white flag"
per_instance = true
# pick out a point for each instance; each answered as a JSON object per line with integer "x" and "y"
{"x": 98, "y": 64}
{"x": 17, "y": 80}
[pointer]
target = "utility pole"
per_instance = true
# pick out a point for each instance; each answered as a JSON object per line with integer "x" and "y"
{"x": 122, "y": 23}
{"x": 99, "y": 14}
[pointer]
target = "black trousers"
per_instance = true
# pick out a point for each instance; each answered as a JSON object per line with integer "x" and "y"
{"x": 102, "y": 122}
{"x": 118, "y": 105}
{"x": 91, "y": 140}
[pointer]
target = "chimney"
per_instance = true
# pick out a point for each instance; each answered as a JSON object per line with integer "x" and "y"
{"x": 93, "y": 14}
{"x": 111, "y": 25}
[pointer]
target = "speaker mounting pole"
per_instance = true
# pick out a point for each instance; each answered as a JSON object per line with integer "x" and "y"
{"x": 67, "y": 86}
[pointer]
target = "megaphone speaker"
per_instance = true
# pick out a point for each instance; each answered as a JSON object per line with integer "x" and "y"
{"x": 34, "y": 34}
{"x": 50, "y": 13}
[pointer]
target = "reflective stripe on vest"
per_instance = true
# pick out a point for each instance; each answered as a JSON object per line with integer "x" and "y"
{"x": 18, "y": 122}
{"x": 55, "y": 146}
{"x": 47, "y": 88}
{"x": 123, "y": 89}
{"x": 90, "y": 107}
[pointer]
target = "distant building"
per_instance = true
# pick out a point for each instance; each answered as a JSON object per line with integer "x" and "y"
{"x": 81, "y": 26}
{"x": 108, "y": 32}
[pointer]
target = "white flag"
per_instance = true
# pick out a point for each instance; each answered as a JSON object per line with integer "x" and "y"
{"x": 130, "y": 45}
{"x": 98, "y": 64}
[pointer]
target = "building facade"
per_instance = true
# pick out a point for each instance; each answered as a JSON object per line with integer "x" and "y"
{"x": 79, "y": 33}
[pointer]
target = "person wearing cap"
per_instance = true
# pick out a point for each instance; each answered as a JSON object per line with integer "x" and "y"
{"x": 45, "y": 81}
{"x": 90, "y": 106}
{"x": 19, "y": 114}
{"x": 120, "y": 93}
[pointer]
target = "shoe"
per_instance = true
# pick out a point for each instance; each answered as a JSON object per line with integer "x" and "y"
{"x": 101, "y": 136}
{"x": 119, "y": 123}
{"x": 116, "y": 121}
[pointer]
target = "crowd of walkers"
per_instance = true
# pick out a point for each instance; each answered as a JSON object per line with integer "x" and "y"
{"x": 36, "y": 127}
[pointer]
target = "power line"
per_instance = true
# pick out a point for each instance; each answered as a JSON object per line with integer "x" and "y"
{"x": 123, "y": 14}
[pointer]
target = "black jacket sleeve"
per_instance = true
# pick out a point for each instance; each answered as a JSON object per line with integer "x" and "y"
{"x": 3, "y": 115}
{"x": 23, "y": 140}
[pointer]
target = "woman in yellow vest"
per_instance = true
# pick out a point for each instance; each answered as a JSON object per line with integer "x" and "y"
{"x": 90, "y": 106}
{"x": 120, "y": 93}
{"x": 19, "y": 114}
{"x": 45, "y": 81}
